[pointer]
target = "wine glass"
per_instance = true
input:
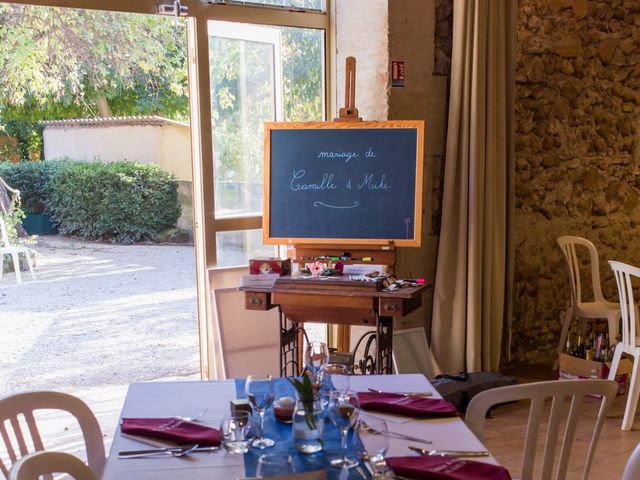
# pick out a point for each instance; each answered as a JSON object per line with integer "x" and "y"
{"x": 275, "y": 464}
{"x": 260, "y": 392}
{"x": 343, "y": 412}
{"x": 374, "y": 435}
{"x": 316, "y": 357}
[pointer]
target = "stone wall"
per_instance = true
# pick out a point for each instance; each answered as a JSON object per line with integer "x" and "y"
{"x": 577, "y": 153}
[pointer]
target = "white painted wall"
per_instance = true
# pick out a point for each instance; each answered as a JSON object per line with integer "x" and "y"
{"x": 362, "y": 28}
{"x": 167, "y": 145}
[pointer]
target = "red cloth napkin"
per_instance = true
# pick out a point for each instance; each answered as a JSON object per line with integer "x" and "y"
{"x": 446, "y": 468}
{"x": 410, "y": 406}
{"x": 171, "y": 429}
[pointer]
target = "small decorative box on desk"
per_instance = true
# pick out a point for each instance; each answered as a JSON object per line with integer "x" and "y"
{"x": 270, "y": 265}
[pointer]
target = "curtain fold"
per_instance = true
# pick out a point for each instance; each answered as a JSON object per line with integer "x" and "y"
{"x": 471, "y": 309}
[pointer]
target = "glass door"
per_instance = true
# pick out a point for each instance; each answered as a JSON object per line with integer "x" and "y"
{"x": 258, "y": 74}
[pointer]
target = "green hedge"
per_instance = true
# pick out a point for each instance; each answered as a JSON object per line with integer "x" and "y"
{"x": 33, "y": 179}
{"x": 122, "y": 201}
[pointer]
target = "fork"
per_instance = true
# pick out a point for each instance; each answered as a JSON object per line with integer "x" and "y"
{"x": 402, "y": 436}
{"x": 194, "y": 418}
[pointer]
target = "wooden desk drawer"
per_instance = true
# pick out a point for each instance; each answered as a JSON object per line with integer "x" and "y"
{"x": 257, "y": 301}
{"x": 390, "y": 307}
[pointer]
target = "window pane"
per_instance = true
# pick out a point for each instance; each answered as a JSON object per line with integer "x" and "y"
{"x": 235, "y": 248}
{"x": 306, "y": 4}
{"x": 258, "y": 74}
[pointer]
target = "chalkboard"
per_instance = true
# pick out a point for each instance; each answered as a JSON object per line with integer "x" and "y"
{"x": 343, "y": 182}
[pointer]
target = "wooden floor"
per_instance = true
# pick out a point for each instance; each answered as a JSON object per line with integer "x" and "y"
{"x": 503, "y": 433}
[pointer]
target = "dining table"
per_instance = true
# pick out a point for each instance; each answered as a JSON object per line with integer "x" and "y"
{"x": 188, "y": 398}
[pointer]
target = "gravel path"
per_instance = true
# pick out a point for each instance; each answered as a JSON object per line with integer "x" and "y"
{"x": 97, "y": 315}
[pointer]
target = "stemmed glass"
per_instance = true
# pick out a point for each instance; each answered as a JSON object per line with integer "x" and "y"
{"x": 316, "y": 357}
{"x": 260, "y": 392}
{"x": 343, "y": 412}
{"x": 374, "y": 435}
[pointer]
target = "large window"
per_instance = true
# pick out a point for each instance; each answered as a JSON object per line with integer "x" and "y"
{"x": 258, "y": 74}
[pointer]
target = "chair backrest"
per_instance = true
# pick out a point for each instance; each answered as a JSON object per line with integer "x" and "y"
{"x": 4, "y": 234}
{"x": 558, "y": 391}
{"x": 13, "y": 408}
{"x": 568, "y": 245}
{"x": 38, "y": 464}
{"x": 632, "y": 470}
{"x": 624, "y": 274}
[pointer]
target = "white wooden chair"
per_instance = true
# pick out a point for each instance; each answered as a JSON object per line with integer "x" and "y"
{"x": 599, "y": 307}
{"x": 17, "y": 411}
{"x": 558, "y": 391}
{"x": 630, "y": 343}
{"x": 38, "y": 464}
{"x": 632, "y": 470}
{"x": 7, "y": 249}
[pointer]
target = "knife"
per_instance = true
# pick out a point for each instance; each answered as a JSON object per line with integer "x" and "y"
{"x": 451, "y": 453}
{"x": 406, "y": 394}
{"x": 153, "y": 451}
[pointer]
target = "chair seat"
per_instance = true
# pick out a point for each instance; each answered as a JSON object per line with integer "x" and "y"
{"x": 596, "y": 309}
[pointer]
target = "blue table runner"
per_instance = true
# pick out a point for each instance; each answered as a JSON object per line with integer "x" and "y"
{"x": 282, "y": 434}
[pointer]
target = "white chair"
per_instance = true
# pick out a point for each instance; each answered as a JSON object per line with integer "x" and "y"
{"x": 630, "y": 343}
{"x": 38, "y": 464}
{"x": 599, "y": 307}
{"x": 558, "y": 391}
{"x": 7, "y": 249}
{"x": 632, "y": 470}
{"x": 13, "y": 408}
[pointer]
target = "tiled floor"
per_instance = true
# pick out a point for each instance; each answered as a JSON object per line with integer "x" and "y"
{"x": 504, "y": 435}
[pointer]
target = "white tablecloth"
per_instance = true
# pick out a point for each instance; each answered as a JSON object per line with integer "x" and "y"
{"x": 167, "y": 399}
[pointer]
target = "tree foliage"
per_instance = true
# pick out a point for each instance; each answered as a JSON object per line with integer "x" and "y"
{"x": 59, "y": 62}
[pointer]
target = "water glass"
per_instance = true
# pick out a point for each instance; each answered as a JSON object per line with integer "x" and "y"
{"x": 343, "y": 412}
{"x": 275, "y": 464}
{"x": 374, "y": 436}
{"x": 316, "y": 357}
{"x": 261, "y": 393}
{"x": 237, "y": 432}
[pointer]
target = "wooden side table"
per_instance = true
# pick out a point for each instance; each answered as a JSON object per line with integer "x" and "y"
{"x": 337, "y": 304}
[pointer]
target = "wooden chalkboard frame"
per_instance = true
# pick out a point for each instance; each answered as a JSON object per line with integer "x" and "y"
{"x": 418, "y": 125}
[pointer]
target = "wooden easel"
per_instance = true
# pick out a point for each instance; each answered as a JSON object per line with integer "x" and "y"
{"x": 384, "y": 255}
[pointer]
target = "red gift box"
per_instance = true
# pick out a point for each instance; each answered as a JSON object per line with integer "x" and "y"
{"x": 270, "y": 265}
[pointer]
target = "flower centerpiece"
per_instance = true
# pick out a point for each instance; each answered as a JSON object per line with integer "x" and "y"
{"x": 308, "y": 422}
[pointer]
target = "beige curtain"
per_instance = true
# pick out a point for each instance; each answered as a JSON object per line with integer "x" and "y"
{"x": 471, "y": 310}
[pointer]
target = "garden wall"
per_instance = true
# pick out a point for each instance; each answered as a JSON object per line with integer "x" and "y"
{"x": 140, "y": 139}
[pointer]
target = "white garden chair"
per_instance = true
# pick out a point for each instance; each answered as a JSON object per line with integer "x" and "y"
{"x": 38, "y": 464}
{"x": 599, "y": 307}
{"x": 630, "y": 343}
{"x": 632, "y": 469}
{"x": 558, "y": 391}
{"x": 17, "y": 412}
{"x": 7, "y": 249}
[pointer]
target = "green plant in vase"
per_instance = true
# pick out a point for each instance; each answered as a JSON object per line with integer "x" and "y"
{"x": 308, "y": 422}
